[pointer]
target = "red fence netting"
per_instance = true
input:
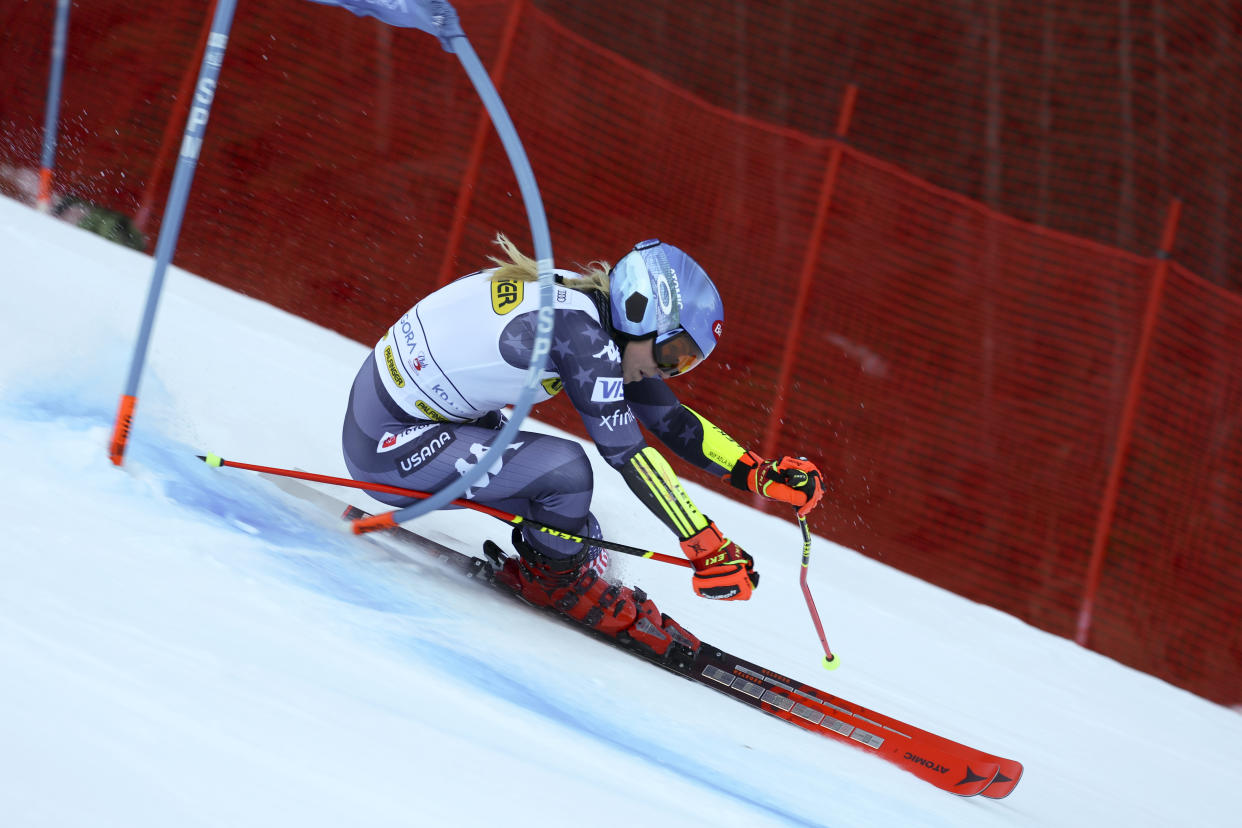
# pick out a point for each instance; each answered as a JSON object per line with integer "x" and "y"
{"x": 980, "y": 277}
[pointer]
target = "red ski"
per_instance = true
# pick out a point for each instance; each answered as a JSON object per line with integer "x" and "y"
{"x": 942, "y": 762}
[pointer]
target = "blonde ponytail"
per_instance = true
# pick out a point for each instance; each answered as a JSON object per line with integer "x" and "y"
{"x": 523, "y": 268}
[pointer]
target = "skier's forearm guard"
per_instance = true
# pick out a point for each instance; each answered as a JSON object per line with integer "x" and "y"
{"x": 655, "y": 483}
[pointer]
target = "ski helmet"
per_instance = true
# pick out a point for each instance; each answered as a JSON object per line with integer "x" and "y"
{"x": 657, "y": 289}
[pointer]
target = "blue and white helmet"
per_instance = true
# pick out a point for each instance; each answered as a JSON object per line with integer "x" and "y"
{"x": 658, "y": 289}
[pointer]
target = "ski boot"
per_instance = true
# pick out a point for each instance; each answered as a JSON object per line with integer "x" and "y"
{"x": 576, "y": 588}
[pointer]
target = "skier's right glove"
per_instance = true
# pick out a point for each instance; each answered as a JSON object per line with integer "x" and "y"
{"x": 722, "y": 569}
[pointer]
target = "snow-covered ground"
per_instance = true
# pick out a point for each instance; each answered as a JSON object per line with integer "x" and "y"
{"x": 184, "y": 646}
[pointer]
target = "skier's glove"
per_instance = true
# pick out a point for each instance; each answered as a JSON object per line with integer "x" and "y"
{"x": 722, "y": 569}
{"x": 792, "y": 480}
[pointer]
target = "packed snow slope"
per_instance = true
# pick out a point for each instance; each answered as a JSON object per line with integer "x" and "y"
{"x": 188, "y": 646}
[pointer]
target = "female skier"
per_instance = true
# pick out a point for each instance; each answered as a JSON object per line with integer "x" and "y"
{"x": 428, "y": 398}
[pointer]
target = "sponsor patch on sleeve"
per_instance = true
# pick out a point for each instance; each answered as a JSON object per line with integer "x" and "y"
{"x": 608, "y": 389}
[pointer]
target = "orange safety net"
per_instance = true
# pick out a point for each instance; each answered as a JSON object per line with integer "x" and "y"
{"x": 978, "y": 285}
{"x": 977, "y": 368}
{"x": 1172, "y": 575}
{"x": 1079, "y": 115}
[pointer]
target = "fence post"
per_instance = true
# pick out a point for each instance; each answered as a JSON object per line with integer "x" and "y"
{"x": 794, "y": 334}
{"x": 176, "y": 118}
{"x": 465, "y": 192}
{"x": 1112, "y": 489}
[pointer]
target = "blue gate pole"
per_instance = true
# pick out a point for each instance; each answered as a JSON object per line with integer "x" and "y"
{"x": 52, "y": 108}
{"x": 543, "y": 256}
{"x": 170, "y": 228}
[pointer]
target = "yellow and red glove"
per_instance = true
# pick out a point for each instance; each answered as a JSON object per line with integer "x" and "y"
{"x": 792, "y": 480}
{"x": 723, "y": 570}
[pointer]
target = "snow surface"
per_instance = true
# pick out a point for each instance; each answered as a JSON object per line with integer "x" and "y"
{"x": 186, "y": 646}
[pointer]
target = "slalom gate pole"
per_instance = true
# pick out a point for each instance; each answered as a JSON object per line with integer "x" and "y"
{"x": 831, "y": 662}
{"x": 439, "y": 18}
{"x": 384, "y": 521}
{"x": 174, "y": 212}
{"x": 51, "y": 116}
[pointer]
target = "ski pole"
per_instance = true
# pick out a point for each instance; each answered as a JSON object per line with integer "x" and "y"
{"x": 831, "y": 662}
{"x": 377, "y": 522}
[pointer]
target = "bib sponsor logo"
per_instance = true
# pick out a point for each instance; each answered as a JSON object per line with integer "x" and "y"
{"x": 417, "y": 359}
{"x": 552, "y": 385}
{"x": 415, "y": 459}
{"x": 392, "y": 441}
{"x": 608, "y": 389}
{"x": 393, "y": 371}
{"x": 407, "y": 331}
{"x": 430, "y": 413}
{"x": 506, "y": 295}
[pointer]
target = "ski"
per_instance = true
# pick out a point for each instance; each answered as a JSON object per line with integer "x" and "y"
{"x": 944, "y": 763}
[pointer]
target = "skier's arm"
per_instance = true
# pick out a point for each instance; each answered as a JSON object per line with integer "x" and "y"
{"x": 589, "y": 365}
{"x": 686, "y": 432}
{"x": 591, "y": 373}
{"x": 722, "y": 569}
{"x": 793, "y": 480}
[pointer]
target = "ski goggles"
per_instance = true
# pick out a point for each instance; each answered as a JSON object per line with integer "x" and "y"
{"x": 676, "y": 352}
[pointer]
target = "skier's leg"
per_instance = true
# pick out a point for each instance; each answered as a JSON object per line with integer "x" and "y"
{"x": 538, "y": 476}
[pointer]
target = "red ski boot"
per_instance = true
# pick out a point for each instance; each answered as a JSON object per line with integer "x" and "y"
{"x": 575, "y": 588}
